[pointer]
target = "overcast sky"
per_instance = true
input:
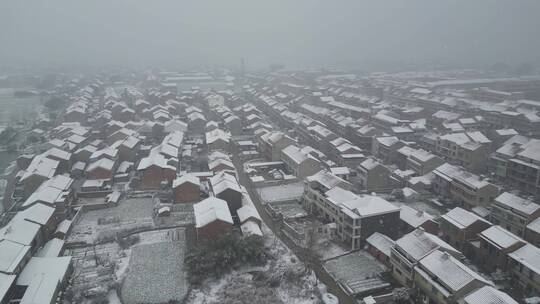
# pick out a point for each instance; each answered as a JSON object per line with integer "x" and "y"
{"x": 297, "y": 33}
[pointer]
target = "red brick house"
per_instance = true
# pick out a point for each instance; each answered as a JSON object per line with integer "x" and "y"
{"x": 154, "y": 170}
{"x": 186, "y": 188}
{"x": 212, "y": 218}
{"x": 102, "y": 169}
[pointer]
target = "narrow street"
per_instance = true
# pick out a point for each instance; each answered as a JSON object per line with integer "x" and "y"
{"x": 321, "y": 274}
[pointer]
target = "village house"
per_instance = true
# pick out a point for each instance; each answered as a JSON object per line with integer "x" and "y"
{"x": 467, "y": 149}
{"x": 442, "y": 279}
{"x": 532, "y": 232}
{"x": 155, "y": 170}
{"x": 357, "y": 216}
{"x": 226, "y": 187}
{"x": 300, "y": 162}
{"x": 56, "y": 192}
{"x": 40, "y": 169}
{"x": 488, "y": 294}
{"x": 412, "y": 219}
{"x": 460, "y": 228}
{"x": 373, "y": 176}
{"x": 467, "y": 189}
{"x": 103, "y": 168}
{"x": 250, "y": 220}
{"x": 218, "y": 140}
{"x": 186, "y": 189}
{"x": 524, "y": 267}
{"x": 423, "y": 162}
{"x": 272, "y": 143}
{"x": 380, "y": 247}
{"x": 385, "y": 148}
{"x": 495, "y": 245}
{"x": 212, "y": 218}
{"x": 514, "y": 213}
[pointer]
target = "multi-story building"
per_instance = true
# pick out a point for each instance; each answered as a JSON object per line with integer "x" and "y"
{"x": 459, "y": 227}
{"x": 468, "y": 149}
{"x": 423, "y": 162}
{"x": 410, "y": 249}
{"x": 523, "y": 171}
{"x": 442, "y": 279}
{"x": 495, "y": 245}
{"x": 373, "y": 176}
{"x": 514, "y": 213}
{"x": 385, "y": 148}
{"x": 467, "y": 189}
{"x": 525, "y": 269}
{"x": 272, "y": 143}
{"x": 357, "y": 216}
{"x": 300, "y": 161}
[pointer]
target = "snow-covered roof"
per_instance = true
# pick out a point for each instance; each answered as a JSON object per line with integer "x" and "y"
{"x": 250, "y": 228}
{"x": 461, "y": 218}
{"x": 340, "y": 170}
{"x": 488, "y": 295}
{"x": 52, "y": 248}
{"x": 515, "y": 202}
{"x": 419, "y": 243}
{"x": 41, "y": 166}
{"x": 380, "y": 241}
{"x": 42, "y": 276}
{"x": 357, "y": 206}
{"x": 217, "y": 134}
{"x": 102, "y": 163}
{"x": 12, "y": 255}
{"x": 500, "y": 237}
{"x": 186, "y": 178}
{"x": 6, "y": 280}
{"x": 246, "y": 212}
{"x": 449, "y": 272}
{"x": 529, "y": 256}
{"x": 414, "y": 218}
{"x": 327, "y": 179}
{"x": 211, "y": 209}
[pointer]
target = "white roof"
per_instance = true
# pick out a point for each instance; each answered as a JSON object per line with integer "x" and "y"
{"x": 340, "y": 170}
{"x": 217, "y": 134}
{"x": 515, "y": 202}
{"x": 450, "y": 272}
{"x": 52, "y": 248}
{"x": 246, "y": 212}
{"x": 529, "y": 256}
{"x": 419, "y": 243}
{"x": 103, "y": 163}
{"x": 461, "y": 218}
{"x": 42, "y": 276}
{"x": 250, "y": 228}
{"x": 327, "y": 179}
{"x": 211, "y": 209}
{"x": 415, "y": 218}
{"x": 500, "y": 237}
{"x": 381, "y": 242}
{"x": 6, "y": 280}
{"x": 186, "y": 178}
{"x": 359, "y": 206}
{"x": 41, "y": 166}
{"x": 12, "y": 255}
{"x": 488, "y": 295}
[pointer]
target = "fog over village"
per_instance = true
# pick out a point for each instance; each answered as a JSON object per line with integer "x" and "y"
{"x": 288, "y": 152}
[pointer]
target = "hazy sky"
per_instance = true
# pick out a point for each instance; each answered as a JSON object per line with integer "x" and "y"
{"x": 298, "y": 33}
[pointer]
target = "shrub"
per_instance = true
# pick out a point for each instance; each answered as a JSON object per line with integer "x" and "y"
{"x": 213, "y": 258}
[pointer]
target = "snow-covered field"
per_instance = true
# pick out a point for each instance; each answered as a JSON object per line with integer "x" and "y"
{"x": 281, "y": 193}
{"x": 290, "y": 283}
{"x": 156, "y": 273}
{"x": 130, "y": 213}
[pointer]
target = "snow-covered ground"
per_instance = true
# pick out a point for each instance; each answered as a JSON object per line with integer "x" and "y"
{"x": 281, "y": 193}
{"x": 291, "y": 283}
{"x": 156, "y": 273}
{"x": 97, "y": 224}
